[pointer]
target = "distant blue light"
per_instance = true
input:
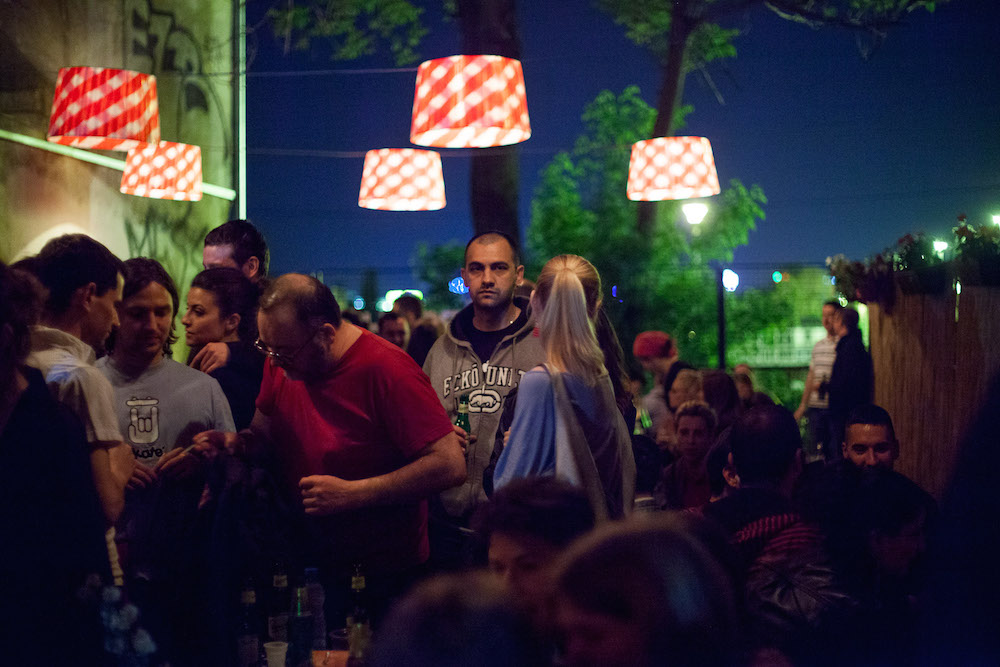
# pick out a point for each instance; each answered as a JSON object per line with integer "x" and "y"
{"x": 776, "y": 276}
{"x": 359, "y": 304}
{"x": 457, "y": 286}
{"x": 614, "y": 291}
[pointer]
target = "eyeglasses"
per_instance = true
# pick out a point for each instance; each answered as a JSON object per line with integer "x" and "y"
{"x": 283, "y": 357}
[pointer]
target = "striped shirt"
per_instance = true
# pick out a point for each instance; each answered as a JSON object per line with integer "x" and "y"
{"x": 821, "y": 365}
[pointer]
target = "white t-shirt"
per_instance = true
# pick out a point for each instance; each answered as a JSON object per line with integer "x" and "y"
{"x": 821, "y": 364}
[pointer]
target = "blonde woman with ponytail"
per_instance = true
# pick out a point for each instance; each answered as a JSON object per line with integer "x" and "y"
{"x": 544, "y": 441}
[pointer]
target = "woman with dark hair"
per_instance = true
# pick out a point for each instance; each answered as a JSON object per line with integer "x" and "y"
{"x": 720, "y": 393}
{"x": 221, "y": 308}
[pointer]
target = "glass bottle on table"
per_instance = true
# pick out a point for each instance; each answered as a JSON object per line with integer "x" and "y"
{"x": 317, "y": 600}
{"x": 279, "y": 603}
{"x": 300, "y": 628}
{"x": 248, "y": 642}
{"x": 358, "y": 623}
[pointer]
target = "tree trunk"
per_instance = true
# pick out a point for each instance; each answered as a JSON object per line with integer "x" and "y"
{"x": 671, "y": 91}
{"x": 490, "y": 27}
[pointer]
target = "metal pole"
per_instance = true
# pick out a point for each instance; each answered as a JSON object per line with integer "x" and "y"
{"x": 240, "y": 106}
{"x": 720, "y": 293}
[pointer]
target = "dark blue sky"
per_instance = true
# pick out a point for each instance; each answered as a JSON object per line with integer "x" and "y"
{"x": 851, "y": 154}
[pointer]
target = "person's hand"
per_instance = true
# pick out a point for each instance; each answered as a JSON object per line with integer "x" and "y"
{"x": 325, "y": 494}
{"x": 208, "y": 443}
{"x": 211, "y": 357}
{"x": 180, "y": 463}
{"x": 142, "y": 477}
{"x": 506, "y": 437}
{"x": 800, "y": 413}
{"x": 465, "y": 438}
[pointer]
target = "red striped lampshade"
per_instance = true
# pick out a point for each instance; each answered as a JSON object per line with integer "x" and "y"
{"x": 165, "y": 171}
{"x": 402, "y": 179}
{"x": 110, "y": 109}
{"x": 672, "y": 168}
{"x": 470, "y": 102}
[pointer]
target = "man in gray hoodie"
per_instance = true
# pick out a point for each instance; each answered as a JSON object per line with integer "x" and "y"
{"x": 489, "y": 345}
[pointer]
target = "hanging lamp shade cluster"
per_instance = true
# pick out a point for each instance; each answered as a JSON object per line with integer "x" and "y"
{"x": 672, "y": 168}
{"x": 167, "y": 170}
{"x": 108, "y": 109}
{"x": 470, "y": 102}
{"x": 402, "y": 179}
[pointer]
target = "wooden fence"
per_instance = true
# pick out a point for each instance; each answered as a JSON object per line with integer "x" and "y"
{"x": 934, "y": 356}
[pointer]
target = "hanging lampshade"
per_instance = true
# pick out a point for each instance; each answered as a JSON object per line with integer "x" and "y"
{"x": 402, "y": 179}
{"x": 109, "y": 109}
{"x": 672, "y": 168}
{"x": 470, "y": 102}
{"x": 167, "y": 170}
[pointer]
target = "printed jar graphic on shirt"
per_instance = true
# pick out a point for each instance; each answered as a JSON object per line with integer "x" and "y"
{"x": 478, "y": 384}
{"x": 144, "y": 427}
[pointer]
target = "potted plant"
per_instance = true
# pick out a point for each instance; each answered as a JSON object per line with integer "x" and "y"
{"x": 977, "y": 253}
{"x": 919, "y": 269}
{"x": 868, "y": 282}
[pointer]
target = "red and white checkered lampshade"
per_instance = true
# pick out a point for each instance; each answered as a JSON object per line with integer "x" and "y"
{"x": 402, "y": 179}
{"x": 165, "y": 171}
{"x": 470, "y": 102}
{"x": 672, "y": 168}
{"x": 110, "y": 109}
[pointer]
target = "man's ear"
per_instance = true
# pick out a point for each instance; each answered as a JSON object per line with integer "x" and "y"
{"x": 232, "y": 323}
{"x": 729, "y": 473}
{"x": 251, "y": 267}
{"x": 84, "y": 296}
{"x": 520, "y": 274}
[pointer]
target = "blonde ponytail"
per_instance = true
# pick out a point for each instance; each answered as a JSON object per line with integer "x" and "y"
{"x": 569, "y": 293}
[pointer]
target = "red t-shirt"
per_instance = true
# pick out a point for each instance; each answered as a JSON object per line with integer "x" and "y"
{"x": 371, "y": 416}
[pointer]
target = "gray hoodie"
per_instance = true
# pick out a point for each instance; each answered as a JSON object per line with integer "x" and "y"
{"x": 454, "y": 369}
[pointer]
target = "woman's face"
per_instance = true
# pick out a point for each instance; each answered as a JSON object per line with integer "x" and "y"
{"x": 680, "y": 391}
{"x": 203, "y": 323}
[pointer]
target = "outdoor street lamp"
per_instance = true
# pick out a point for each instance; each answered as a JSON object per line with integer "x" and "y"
{"x": 695, "y": 212}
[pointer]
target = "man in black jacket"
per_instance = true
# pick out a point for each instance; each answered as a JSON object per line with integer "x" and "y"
{"x": 850, "y": 382}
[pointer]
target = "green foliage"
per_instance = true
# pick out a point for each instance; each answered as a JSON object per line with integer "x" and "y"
{"x": 437, "y": 266}
{"x": 352, "y": 28}
{"x": 665, "y": 282}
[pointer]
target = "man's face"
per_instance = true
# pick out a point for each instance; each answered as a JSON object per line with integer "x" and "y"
{"x": 491, "y": 275}
{"x": 394, "y": 331}
{"x": 524, "y": 563}
{"x": 896, "y": 554}
{"x": 145, "y": 322}
{"x": 828, "y": 319}
{"x": 838, "y": 324}
{"x": 869, "y": 445}
{"x": 215, "y": 256}
{"x": 103, "y": 316}
{"x": 296, "y": 348}
{"x": 693, "y": 438}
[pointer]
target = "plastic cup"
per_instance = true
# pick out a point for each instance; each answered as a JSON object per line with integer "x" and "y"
{"x": 276, "y": 652}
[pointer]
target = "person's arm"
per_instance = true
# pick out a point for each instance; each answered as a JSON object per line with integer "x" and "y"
{"x": 111, "y": 465}
{"x": 437, "y": 467}
{"x": 211, "y": 357}
{"x": 530, "y": 449}
{"x": 806, "y": 393}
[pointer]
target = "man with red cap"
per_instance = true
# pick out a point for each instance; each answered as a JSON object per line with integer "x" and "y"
{"x": 656, "y": 351}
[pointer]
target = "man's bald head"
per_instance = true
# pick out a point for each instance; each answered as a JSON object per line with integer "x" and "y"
{"x": 311, "y": 301}
{"x": 489, "y": 238}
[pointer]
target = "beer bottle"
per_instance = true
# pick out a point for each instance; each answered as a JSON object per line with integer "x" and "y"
{"x": 300, "y": 629}
{"x": 358, "y": 623}
{"x": 278, "y": 604}
{"x": 462, "y": 418}
{"x": 248, "y": 634}
{"x": 317, "y": 598}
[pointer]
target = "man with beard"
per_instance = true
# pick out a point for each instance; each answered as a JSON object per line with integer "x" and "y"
{"x": 488, "y": 346}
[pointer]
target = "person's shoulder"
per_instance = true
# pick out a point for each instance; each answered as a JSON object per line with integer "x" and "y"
{"x": 535, "y": 380}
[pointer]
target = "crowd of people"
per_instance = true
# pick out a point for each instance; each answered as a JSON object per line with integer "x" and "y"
{"x": 509, "y": 493}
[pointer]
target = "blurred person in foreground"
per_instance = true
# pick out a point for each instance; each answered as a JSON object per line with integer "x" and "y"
{"x": 50, "y": 516}
{"x": 566, "y": 300}
{"x": 458, "y": 620}
{"x": 525, "y": 527}
{"x": 651, "y": 592}
{"x": 795, "y": 600}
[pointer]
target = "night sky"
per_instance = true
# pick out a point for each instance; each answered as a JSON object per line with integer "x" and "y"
{"x": 851, "y": 154}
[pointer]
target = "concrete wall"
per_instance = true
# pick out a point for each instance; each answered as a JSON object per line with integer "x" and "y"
{"x": 187, "y": 44}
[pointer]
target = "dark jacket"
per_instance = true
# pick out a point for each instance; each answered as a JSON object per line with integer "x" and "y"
{"x": 850, "y": 382}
